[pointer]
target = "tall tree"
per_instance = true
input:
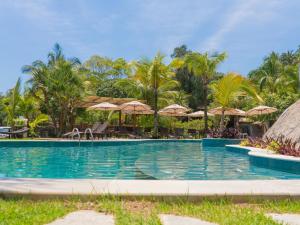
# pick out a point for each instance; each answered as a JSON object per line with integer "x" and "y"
{"x": 228, "y": 89}
{"x": 153, "y": 81}
{"x": 102, "y": 69}
{"x": 11, "y": 103}
{"x": 189, "y": 83}
{"x": 58, "y": 85}
{"x": 204, "y": 66}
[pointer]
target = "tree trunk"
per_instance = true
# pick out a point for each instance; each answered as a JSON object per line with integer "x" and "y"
{"x": 205, "y": 87}
{"x": 155, "y": 131}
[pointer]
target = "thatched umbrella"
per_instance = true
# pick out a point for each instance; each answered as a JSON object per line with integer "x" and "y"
{"x": 261, "y": 110}
{"x": 174, "y": 113}
{"x": 136, "y": 108}
{"x": 104, "y": 106}
{"x": 287, "y": 125}
{"x": 199, "y": 114}
{"x": 226, "y": 112}
{"x": 175, "y": 109}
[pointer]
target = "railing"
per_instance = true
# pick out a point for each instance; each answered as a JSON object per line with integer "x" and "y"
{"x": 89, "y": 130}
{"x": 75, "y": 132}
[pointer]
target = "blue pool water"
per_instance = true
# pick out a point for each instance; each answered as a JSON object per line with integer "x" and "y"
{"x": 130, "y": 160}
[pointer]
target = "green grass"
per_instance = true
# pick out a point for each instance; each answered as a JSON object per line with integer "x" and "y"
{"x": 136, "y": 212}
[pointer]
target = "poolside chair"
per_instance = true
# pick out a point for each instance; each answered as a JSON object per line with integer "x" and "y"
{"x": 192, "y": 133}
{"x": 101, "y": 130}
{"x": 147, "y": 132}
{"x": 16, "y": 133}
{"x": 164, "y": 132}
{"x": 179, "y": 132}
{"x": 138, "y": 132}
{"x": 121, "y": 131}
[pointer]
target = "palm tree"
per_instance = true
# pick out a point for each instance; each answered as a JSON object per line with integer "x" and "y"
{"x": 58, "y": 86}
{"x": 11, "y": 103}
{"x": 204, "y": 67}
{"x": 228, "y": 89}
{"x": 151, "y": 81}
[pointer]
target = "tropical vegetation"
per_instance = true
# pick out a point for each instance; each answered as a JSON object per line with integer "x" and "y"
{"x": 52, "y": 89}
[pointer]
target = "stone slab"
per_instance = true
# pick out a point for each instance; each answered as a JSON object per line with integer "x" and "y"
{"x": 85, "y": 217}
{"x": 158, "y": 188}
{"x": 182, "y": 220}
{"x": 286, "y": 218}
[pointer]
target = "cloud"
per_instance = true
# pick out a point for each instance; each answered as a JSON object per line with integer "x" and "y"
{"x": 241, "y": 13}
{"x": 170, "y": 22}
{"x": 40, "y": 14}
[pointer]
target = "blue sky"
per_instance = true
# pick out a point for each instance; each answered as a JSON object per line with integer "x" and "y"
{"x": 246, "y": 29}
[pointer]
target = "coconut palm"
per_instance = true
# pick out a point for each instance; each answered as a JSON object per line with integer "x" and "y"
{"x": 204, "y": 66}
{"x": 58, "y": 85}
{"x": 228, "y": 89}
{"x": 11, "y": 103}
{"x": 151, "y": 81}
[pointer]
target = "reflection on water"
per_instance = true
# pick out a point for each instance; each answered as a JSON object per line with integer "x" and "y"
{"x": 167, "y": 160}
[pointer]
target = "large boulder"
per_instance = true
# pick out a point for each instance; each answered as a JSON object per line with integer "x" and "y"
{"x": 287, "y": 125}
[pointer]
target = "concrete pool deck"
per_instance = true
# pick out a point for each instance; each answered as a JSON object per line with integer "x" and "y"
{"x": 235, "y": 189}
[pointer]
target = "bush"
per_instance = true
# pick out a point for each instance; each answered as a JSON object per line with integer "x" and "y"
{"x": 227, "y": 133}
{"x": 245, "y": 143}
{"x": 281, "y": 146}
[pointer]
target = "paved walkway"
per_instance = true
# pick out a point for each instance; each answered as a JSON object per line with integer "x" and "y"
{"x": 181, "y": 220}
{"x": 286, "y": 219}
{"x": 85, "y": 217}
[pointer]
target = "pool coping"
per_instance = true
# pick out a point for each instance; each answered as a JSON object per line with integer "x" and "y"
{"x": 264, "y": 153}
{"x": 190, "y": 189}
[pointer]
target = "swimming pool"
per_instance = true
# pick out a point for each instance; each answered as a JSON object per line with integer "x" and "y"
{"x": 163, "y": 160}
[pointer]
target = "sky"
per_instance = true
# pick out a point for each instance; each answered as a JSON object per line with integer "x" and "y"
{"x": 247, "y": 30}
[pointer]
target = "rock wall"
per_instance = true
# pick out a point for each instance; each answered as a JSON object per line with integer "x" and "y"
{"x": 287, "y": 125}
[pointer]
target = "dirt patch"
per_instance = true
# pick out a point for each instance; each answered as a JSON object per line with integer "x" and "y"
{"x": 142, "y": 207}
{"x": 85, "y": 205}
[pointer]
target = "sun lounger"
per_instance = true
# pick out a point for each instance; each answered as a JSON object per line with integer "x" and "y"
{"x": 101, "y": 130}
{"x": 16, "y": 133}
{"x": 179, "y": 132}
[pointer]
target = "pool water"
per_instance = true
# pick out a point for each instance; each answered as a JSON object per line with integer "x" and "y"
{"x": 132, "y": 160}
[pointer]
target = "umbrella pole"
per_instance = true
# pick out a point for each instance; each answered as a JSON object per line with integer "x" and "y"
{"x": 120, "y": 118}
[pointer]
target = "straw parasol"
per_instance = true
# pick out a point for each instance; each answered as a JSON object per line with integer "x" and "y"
{"x": 175, "y": 109}
{"x": 261, "y": 110}
{"x": 227, "y": 111}
{"x": 146, "y": 112}
{"x": 104, "y": 106}
{"x": 199, "y": 114}
{"x": 170, "y": 113}
{"x": 134, "y": 107}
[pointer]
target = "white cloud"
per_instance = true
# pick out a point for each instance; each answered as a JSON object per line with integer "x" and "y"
{"x": 40, "y": 14}
{"x": 170, "y": 22}
{"x": 244, "y": 11}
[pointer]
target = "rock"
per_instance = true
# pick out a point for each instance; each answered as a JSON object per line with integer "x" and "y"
{"x": 181, "y": 220}
{"x": 286, "y": 219}
{"x": 85, "y": 217}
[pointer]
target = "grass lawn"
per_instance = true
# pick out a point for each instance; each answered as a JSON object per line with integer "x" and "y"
{"x": 131, "y": 212}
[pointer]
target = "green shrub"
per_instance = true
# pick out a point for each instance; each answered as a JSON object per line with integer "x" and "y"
{"x": 274, "y": 146}
{"x": 245, "y": 143}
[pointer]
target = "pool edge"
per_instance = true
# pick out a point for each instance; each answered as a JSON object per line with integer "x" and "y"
{"x": 172, "y": 189}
